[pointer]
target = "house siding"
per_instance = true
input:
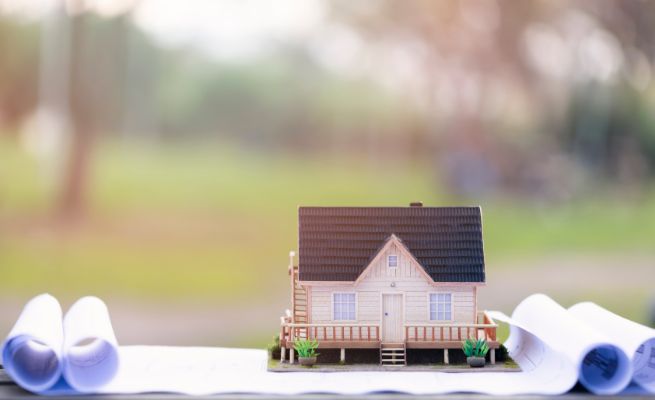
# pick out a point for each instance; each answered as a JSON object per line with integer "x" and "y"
{"x": 409, "y": 280}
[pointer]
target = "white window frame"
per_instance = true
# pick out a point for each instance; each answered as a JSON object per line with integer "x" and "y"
{"x": 451, "y": 311}
{"x": 389, "y": 260}
{"x": 332, "y": 306}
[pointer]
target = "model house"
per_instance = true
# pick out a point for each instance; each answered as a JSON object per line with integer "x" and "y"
{"x": 389, "y": 278}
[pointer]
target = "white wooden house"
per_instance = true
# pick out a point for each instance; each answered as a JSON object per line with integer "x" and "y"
{"x": 392, "y": 278}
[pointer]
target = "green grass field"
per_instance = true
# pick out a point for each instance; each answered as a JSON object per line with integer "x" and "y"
{"x": 208, "y": 220}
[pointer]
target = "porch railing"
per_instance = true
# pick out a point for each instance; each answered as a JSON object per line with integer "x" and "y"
{"x": 330, "y": 332}
{"x": 485, "y": 328}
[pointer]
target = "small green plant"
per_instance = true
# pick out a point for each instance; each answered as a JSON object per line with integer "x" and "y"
{"x": 274, "y": 348}
{"x": 306, "y": 348}
{"x": 475, "y": 348}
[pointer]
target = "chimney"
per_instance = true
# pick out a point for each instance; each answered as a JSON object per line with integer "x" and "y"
{"x": 416, "y": 204}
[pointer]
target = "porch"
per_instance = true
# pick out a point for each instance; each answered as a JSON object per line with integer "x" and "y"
{"x": 370, "y": 336}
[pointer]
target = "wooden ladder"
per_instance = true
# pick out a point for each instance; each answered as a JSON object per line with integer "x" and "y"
{"x": 393, "y": 355}
{"x": 299, "y": 300}
{"x": 299, "y": 303}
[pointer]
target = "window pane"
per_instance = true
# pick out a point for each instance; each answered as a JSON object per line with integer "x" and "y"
{"x": 447, "y": 316}
{"x": 433, "y": 297}
{"x": 344, "y": 306}
{"x": 392, "y": 260}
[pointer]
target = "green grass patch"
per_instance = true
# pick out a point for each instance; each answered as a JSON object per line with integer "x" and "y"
{"x": 214, "y": 220}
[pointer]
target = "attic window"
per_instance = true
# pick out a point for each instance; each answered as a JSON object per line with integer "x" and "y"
{"x": 392, "y": 261}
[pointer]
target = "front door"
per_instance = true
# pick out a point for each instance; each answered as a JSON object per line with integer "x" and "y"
{"x": 392, "y": 318}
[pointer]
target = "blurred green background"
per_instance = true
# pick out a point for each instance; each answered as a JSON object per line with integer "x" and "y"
{"x": 154, "y": 152}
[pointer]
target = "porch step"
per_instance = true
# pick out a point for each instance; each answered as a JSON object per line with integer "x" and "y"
{"x": 393, "y": 354}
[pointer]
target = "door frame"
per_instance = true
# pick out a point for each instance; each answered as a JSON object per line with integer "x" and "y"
{"x": 402, "y": 314}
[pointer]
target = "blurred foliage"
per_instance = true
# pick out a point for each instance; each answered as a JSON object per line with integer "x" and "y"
{"x": 487, "y": 110}
{"x": 126, "y": 82}
{"x": 273, "y": 103}
{"x": 535, "y": 83}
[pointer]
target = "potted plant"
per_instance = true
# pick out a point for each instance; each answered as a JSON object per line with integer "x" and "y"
{"x": 475, "y": 351}
{"x": 306, "y": 351}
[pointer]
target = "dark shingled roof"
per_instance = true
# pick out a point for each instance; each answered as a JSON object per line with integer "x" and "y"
{"x": 337, "y": 243}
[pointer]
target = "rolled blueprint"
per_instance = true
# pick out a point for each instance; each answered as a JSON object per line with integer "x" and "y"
{"x": 603, "y": 368}
{"x": 31, "y": 354}
{"x": 637, "y": 341}
{"x": 90, "y": 349}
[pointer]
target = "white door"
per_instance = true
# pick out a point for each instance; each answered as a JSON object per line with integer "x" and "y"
{"x": 392, "y": 318}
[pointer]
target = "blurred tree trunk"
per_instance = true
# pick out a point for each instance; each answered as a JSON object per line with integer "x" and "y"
{"x": 72, "y": 202}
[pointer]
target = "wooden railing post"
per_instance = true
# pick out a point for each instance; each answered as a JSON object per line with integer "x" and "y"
{"x": 292, "y": 276}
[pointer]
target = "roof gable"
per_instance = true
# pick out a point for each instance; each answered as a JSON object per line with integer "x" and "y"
{"x": 338, "y": 243}
{"x": 389, "y": 243}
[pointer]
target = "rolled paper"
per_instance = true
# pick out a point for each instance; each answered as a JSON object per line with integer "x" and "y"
{"x": 32, "y": 352}
{"x": 636, "y": 340}
{"x": 90, "y": 348}
{"x": 603, "y": 368}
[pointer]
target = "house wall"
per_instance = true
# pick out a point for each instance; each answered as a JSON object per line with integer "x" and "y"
{"x": 409, "y": 279}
